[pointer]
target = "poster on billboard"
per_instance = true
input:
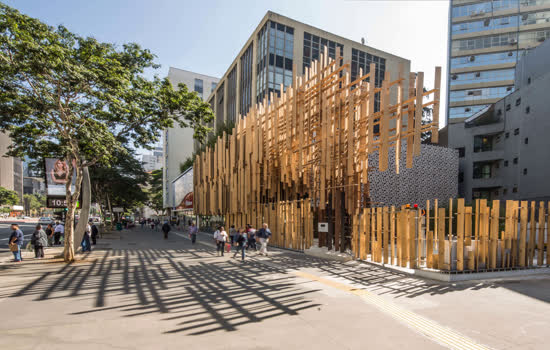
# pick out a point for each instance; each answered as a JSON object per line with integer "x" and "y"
{"x": 57, "y": 174}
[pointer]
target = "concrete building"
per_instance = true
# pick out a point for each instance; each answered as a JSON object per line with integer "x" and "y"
{"x": 269, "y": 57}
{"x": 503, "y": 148}
{"x": 178, "y": 143}
{"x": 11, "y": 169}
{"x": 154, "y": 160}
{"x": 486, "y": 40}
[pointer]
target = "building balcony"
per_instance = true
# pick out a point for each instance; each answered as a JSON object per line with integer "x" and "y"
{"x": 491, "y": 182}
{"x": 488, "y": 155}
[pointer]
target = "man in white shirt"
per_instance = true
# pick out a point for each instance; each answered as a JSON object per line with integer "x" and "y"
{"x": 220, "y": 236}
{"x": 58, "y": 232}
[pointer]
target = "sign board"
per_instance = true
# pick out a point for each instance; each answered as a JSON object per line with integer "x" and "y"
{"x": 118, "y": 210}
{"x": 58, "y": 202}
{"x": 18, "y": 208}
{"x": 322, "y": 227}
{"x": 57, "y": 174}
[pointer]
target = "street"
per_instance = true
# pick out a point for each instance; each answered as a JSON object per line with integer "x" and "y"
{"x": 5, "y": 232}
{"x": 138, "y": 290}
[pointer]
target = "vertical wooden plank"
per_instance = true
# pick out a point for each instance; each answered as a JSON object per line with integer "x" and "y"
{"x": 379, "y": 234}
{"x": 468, "y": 234}
{"x": 540, "y": 243}
{"x": 532, "y": 234}
{"x": 494, "y": 234}
{"x": 437, "y": 94}
{"x": 523, "y": 212}
{"x": 412, "y": 239}
{"x": 385, "y": 233}
{"x": 392, "y": 235}
{"x": 441, "y": 238}
{"x": 418, "y": 112}
{"x": 460, "y": 235}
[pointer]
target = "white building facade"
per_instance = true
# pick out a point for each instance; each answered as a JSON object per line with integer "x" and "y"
{"x": 178, "y": 143}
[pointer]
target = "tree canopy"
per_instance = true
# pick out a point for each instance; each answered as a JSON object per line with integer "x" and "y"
{"x": 155, "y": 191}
{"x": 82, "y": 100}
{"x": 8, "y": 197}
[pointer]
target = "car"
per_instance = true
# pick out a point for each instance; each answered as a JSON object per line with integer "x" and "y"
{"x": 27, "y": 218}
{"x": 45, "y": 221}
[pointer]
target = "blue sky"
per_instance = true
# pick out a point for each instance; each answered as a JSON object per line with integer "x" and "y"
{"x": 205, "y": 36}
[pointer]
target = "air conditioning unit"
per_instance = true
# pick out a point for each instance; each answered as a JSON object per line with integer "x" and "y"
{"x": 472, "y": 58}
{"x": 477, "y": 13}
{"x": 541, "y": 39}
{"x": 454, "y": 77}
{"x": 510, "y": 54}
{"x": 513, "y": 42}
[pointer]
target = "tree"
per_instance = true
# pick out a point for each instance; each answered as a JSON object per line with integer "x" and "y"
{"x": 84, "y": 101}
{"x": 188, "y": 163}
{"x": 33, "y": 203}
{"x": 123, "y": 184}
{"x": 8, "y": 197}
{"x": 155, "y": 191}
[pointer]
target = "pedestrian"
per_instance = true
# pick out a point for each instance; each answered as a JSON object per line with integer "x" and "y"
{"x": 193, "y": 232}
{"x": 157, "y": 224}
{"x": 49, "y": 233}
{"x": 264, "y": 233}
{"x": 39, "y": 240}
{"x": 241, "y": 240}
{"x": 251, "y": 235}
{"x": 178, "y": 224}
{"x": 220, "y": 236}
{"x": 95, "y": 233}
{"x": 233, "y": 234}
{"x": 86, "y": 246}
{"x": 16, "y": 242}
{"x": 58, "y": 232}
{"x": 142, "y": 223}
{"x": 152, "y": 224}
{"x": 166, "y": 228}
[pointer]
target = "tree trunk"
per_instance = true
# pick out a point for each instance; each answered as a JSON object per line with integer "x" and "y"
{"x": 85, "y": 206}
{"x": 69, "y": 250}
{"x": 110, "y": 212}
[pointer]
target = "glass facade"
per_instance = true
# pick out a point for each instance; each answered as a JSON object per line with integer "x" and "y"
{"x": 232, "y": 95}
{"x": 500, "y": 32}
{"x": 198, "y": 87}
{"x": 482, "y": 77}
{"x": 275, "y": 58}
{"x": 362, "y": 60}
{"x": 314, "y": 46}
{"x": 245, "y": 88}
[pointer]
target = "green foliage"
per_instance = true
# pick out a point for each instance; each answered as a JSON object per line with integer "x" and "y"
{"x": 213, "y": 137}
{"x": 155, "y": 191}
{"x": 8, "y": 197}
{"x": 188, "y": 163}
{"x": 34, "y": 202}
{"x": 122, "y": 183}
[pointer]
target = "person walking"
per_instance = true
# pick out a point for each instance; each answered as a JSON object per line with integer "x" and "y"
{"x": 264, "y": 233}
{"x": 221, "y": 237}
{"x": 58, "y": 232}
{"x": 193, "y": 230}
{"x": 86, "y": 246}
{"x": 95, "y": 233}
{"x": 251, "y": 235}
{"x": 241, "y": 240}
{"x": 16, "y": 242}
{"x": 49, "y": 233}
{"x": 39, "y": 240}
{"x": 142, "y": 223}
{"x": 157, "y": 224}
{"x": 233, "y": 234}
{"x": 166, "y": 228}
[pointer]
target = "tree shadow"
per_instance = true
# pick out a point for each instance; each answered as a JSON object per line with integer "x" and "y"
{"x": 196, "y": 295}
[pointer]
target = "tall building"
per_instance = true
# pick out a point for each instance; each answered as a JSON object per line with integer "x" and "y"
{"x": 281, "y": 48}
{"x": 154, "y": 160}
{"x": 503, "y": 149}
{"x": 178, "y": 142}
{"x": 11, "y": 169}
{"x": 486, "y": 40}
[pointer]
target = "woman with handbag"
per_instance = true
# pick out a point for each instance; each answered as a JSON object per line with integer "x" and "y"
{"x": 39, "y": 240}
{"x": 221, "y": 237}
{"x": 16, "y": 242}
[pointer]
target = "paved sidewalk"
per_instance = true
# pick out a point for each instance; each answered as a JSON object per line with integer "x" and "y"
{"x": 140, "y": 291}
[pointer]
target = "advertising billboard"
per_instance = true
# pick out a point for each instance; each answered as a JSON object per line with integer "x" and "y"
{"x": 57, "y": 174}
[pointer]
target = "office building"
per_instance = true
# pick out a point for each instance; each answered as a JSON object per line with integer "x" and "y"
{"x": 486, "y": 40}
{"x": 281, "y": 48}
{"x": 11, "y": 169}
{"x": 154, "y": 160}
{"x": 178, "y": 143}
{"x": 503, "y": 148}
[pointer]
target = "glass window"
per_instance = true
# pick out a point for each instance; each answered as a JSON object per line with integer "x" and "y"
{"x": 483, "y": 143}
{"x": 485, "y": 24}
{"x": 482, "y": 170}
{"x": 482, "y": 77}
{"x": 485, "y": 59}
{"x": 480, "y": 94}
{"x": 472, "y": 9}
{"x": 198, "y": 86}
{"x": 314, "y": 49}
{"x": 506, "y": 39}
{"x": 214, "y": 84}
{"x": 465, "y": 112}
